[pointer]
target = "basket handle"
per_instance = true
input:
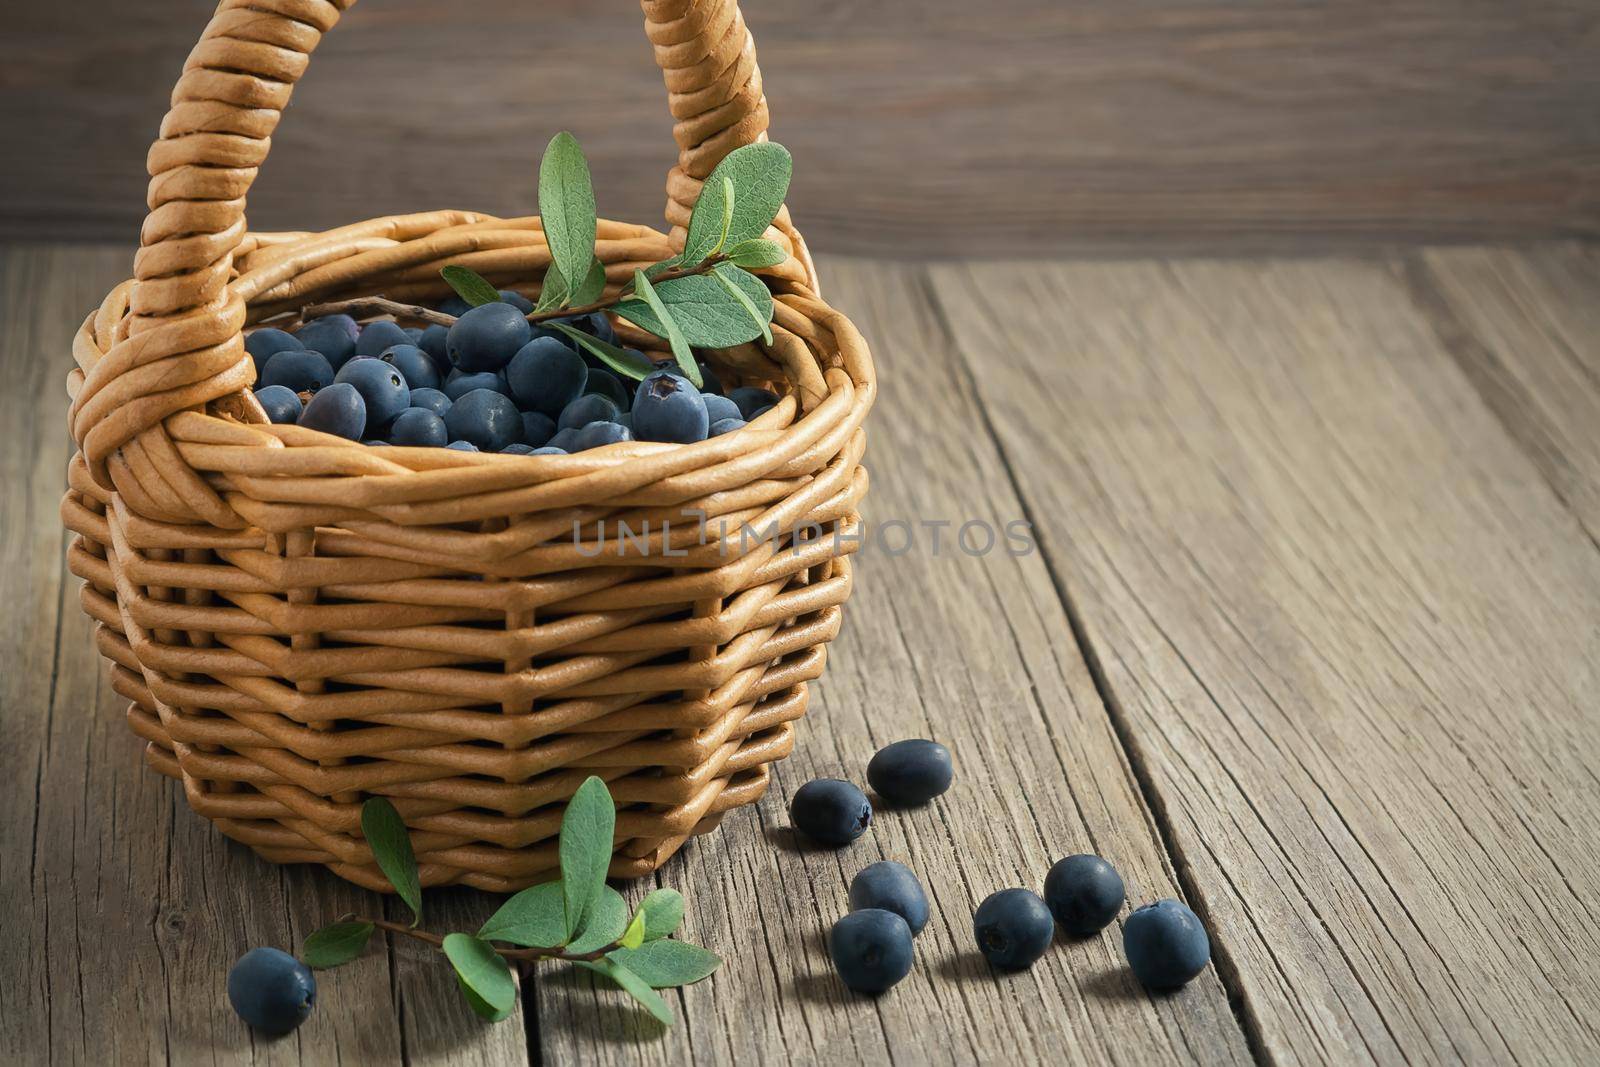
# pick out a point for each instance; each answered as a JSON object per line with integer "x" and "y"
{"x": 183, "y": 343}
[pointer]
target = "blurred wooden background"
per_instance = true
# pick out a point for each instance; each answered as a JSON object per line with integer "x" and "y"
{"x": 941, "y": 127}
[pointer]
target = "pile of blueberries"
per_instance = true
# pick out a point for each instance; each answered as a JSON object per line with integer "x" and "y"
{"x": 1165, "y": 943}
{"x": 492, "y": 382}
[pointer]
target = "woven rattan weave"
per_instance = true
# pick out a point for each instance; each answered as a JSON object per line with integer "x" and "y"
{"x": 301, "y": 622}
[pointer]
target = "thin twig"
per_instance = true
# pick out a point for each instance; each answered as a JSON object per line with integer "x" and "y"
{"x": 522, "y": 955}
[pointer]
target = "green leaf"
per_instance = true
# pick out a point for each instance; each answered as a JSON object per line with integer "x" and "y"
{"x": 637, "y": 987}
{"x": 670, "y": 330}
{"x": 386, "y": 834}
{"x": 534, "y": 918}
{"x": 335, "y": 945}
{"x": 663, "y": 912}
{"x": 566, "y": 206}
{"x": 603, "y": 925}
{"x": 594, "y": 284}
{"x": 484, "y": 1010}
{"x": 633, "y": 936}
{"x": 758, "y": 175}
{"x": 481, "y": 970}
{"x": 587, "y": 830}
{"x": 704, "y": 310}
{"x": 728, "y": 200}
{"x": 663, "y": 964}
{"x": 470, "y": 285}
{"x": 628, "y": 361}
{"x": 552, "y": 291}
{"x": 756, "y": 253}
{"x": 721, "y": 272}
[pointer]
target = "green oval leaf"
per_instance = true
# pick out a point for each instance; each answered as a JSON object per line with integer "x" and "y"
{"x": 484, "y": 1010}
{"x": 566, "y": 206}
{"x": 604, "y": 923}
{"x": 708, "y": 315}
{"x": 674, "y": 335}
{"x": 663, "y": 913}
{"x": 335, "y": 945}
{"x": 633, "y": 936}
{"x": 594, "y": 284}
{"x": 628, "y": 361}
{"x": 386, "y": 835}
{"x": 759, "y": 176}
{"x": 756, "y": 253}
{"x": 723, "y": 273}
{"x": 587, "y": 830}
{"x": 481, "y": 970}
{"x": 635, "y": 986}
{"x": 552, "y": 291}
{"x": 534, "y": 918}
{"x": 470, "y": 285}
{"x": 663, "y": 964}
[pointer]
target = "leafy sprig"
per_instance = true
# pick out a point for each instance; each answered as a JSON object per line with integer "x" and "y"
{"x": 576, "y": 919}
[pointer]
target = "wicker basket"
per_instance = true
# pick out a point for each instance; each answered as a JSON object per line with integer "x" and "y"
{"x": 301, "y": 622}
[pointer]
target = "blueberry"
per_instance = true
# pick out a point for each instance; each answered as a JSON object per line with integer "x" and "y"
{"x": 463, "y": 446}
{"x": 486, "y": 337}
{"x": 265, "y": 343}
{"x": 667, "y": 408}
{"x": 458, "y": 385}
{"x": 516, "y": 300}
{"x": 1084, "y": 893}
{"x": 376, "y": 443}
{"x": 537, "y": 428}
{"x": 599, "y": 434}
{"x": 376, "y": 336}
{"x": 381, "y": 385}
{"x": 608, "y": 385}
{"x": 565, "y": 440}
{"x": 299, "y": 371}
{"x": 625, "y": 419}
{"x": 432, "y": 342}
{"x": 415, "y": 333}
{"x": 430, "y": 400}
{"x": 760, "y": 411}
{"x": 337, "y": 409}
{"x": 751, "y": 399}
{"x": 722, "y": 426}
{"x": 1165, "y": 943}
{"x": 1013, "y": 928}
{"x": 830, "y": 812}
{"x": 454, "y": 305}
{"x": 414, "y": 364}
{"x": 415, "y": 426}
{"x": 591, "y": 407}
{"x": 598, "y": 324}
{"x": 517, "y": 448}
{"x": 892, "y": 887}
{"x": 332, "y": 335}
{"x": 548, "y": 450}
{"x": 871, "y": 949}
{"x": 910, "y": 772}
{"x": 720, "y": 407}
{"x": 485, "y": 418}
{"x": 279, "y": 402}
{"x": 271, "y": 990}
{"x": 546, "y": 376}
{"x": 709, "y": 382}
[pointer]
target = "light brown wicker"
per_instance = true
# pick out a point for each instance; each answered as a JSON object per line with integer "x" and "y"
{"x": 302, "y": 623}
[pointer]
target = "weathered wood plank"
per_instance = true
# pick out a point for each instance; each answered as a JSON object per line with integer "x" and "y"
{"x": 1348, "y": 632}
{"x": 976, "y": 652}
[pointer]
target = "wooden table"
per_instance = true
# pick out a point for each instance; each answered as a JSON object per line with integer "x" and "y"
{"x": 1311, "y": 638}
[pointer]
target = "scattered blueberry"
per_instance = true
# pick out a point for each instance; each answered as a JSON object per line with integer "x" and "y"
{"x": 484, "y": 418}
{"x": 430, "y": 400}
{"x": 1084, "y": 893}
{"x": 516, "y": 300}
{"x": 458, "y": 385}
{"x": 381, "y": 386}
{"x": 463, "y": 446}
{"x": 909, "y": 772}
{"x": 517, "y": 448}
{"x": 722, "y": 426}
{"x": 608, "y": 385}
{"x": 486, "y": 337}
{"x": 1013, "y": 928}
{"x": 265, "y": 343}
{"x": 720, "y": 407}
{"x": 376, "y": 336}
{"x": 591, "y": 407}
{"x": 751, "y": 399}
{"x": 871, "y": 949}
{"x": 337, "y": 409}
{"x": 332, "y": 335}
{"x": 1165, "y": 943}
{"x": 546, "y": 375}
{"x": 271, "y": 990}
{"x": 600, "y": 434}
{"x": 298, "y": 370}
{"x": 668, "y": 408}
{"x": 279, "y": 402}
{"x": 414, "y": 364}
{"x": 537, "y": 428}
{"x": 432, "y": 342}
{"x": 892, "y": 887}
{"x": 416, "y": 426}
{"x": 830, "y": 812}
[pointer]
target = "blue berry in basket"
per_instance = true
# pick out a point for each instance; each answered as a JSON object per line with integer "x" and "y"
{"x": 546, "y": 375}
{"x": 598, "y": 324}
{"x": 709, "y": 382}
{"x": 908, "y": 772}
{"x": 1013, "y": 928}
{"x": 432, "y": 342}
{"x": 626, "y": 419}
{"x": 599, "y": 434}
{"x": 279, "y": 402}
{"x": 720, "y": 407}
{"x": 722, "y": 426}
{"x": 668, "y": 408}
{"x": 1084, "y": 894}
{"x": 265, "y": 343}
{"x": 566, "y": 440}
{"x": 485, "y": 418}
{"x": 517, "y": 448}
{"x": 892, "y": 887}
{"x": 591, "y": 407}
{"x": 830, "y": 812}
{"x": 380, "y": 384}
{"x": 414, "y": 364}
{"x": 871, "y": 949}
{"x": 486, "y": 337}
{"x": 298, "y": 370}
{"x": 415, "y": 333}
{"x": 415, "y": 426}
{"x": 337, "y": 409}
{"x": 458, "y": 385}
{"x": 604, "y": 383}
{"x": 455, "y": 305}
{"x": 376, "y": 336}
{"x": 1166, "y": 944}
{"x": 537, "y": 428}
{"x": 430, "y": 400}
{"x": 516, "y": 300}
{"x": 271, "y": 990}
{"x": 548, "y": 450}
{"x": 463, "y": 446}
{"x": 751, "y": 399}
{"x": 332, "y": 335}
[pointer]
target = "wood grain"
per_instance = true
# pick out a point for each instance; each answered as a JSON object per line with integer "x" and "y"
{"x": 919, "y": 128}
{"x": 1347, "y": 630}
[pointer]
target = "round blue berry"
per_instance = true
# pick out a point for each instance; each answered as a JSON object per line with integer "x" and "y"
{"x": 591, "y": 407}
{"x": 565, "y": 440}
{"x": 430, "y": 400}
{"x": 545, "y": 376}
{"x": 548, "y": 450}
{"x": 432, "y": 342}
{"x": 603, "y": 383}
{"x": 871, "y": 949}
{"x": 751, "y": 399}
{"x": 376, "y": 336}
{"x": 454, "y": 305}
{"x": 1084, "y": 894}
{"x": 486, "y": 337}
{"x": 299, "y": 371}
{"x": 830, "y": 812}
{"x": 1165, "y": 943}
{"x": 516, "y": 300}
{"x": 415, "y": 333}
{"x": 892, "y": 887}
{"x": 722, "y": 426}
{"x": 908, "y": 772}
{"x": 517, "y": 448}
{"x": 598, "y": 324}
{"x": 599, "y": 434}
{"x": 413, "y": 363}
{"x": 279, "y": 402}
{"x": 271, "y": 990}
{"x": 720, "y": 407}
{"x": 1013, "y": 928}
{"x": 463, "y": 446}
{"x": 485, "y": 418}
{"x": 337, "y": 409}
{"x": 415, "y": 426}
{"x": 381, "y": 386}
{"x": 537, "y": 428}
{"x": 760, "y": 411}
{"x": 332, "y": 335}
{"x": 668, "y": 408}
{"x": 266, "y": 342}
{"x": 458, "y": 385}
